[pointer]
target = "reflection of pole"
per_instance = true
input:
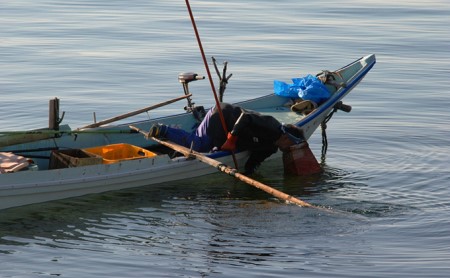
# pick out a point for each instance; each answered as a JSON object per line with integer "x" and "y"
{"x": 205, "y": 62}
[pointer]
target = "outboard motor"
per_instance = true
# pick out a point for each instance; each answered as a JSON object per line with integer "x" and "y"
{"x": 185, "y": 78}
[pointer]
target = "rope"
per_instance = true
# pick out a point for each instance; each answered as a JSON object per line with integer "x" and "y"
{"x": 323, "y": 125}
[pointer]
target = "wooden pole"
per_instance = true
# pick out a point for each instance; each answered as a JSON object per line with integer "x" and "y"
{"x": 211, "y": 82}
{"x": 9, "y": 138}
{"x": 56, "y": 132}
{"x": 14, "y": 138}
{"x": 127, "y": 115}
{"x": 53, "y": 117}
{"x": 228, "y": 170}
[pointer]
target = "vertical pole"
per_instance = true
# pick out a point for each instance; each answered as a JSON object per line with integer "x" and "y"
{"x": 53, "y": 116}
{"x": 211, "y": 82}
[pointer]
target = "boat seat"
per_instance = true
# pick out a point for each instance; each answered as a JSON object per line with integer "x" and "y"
{"x": 10, "y": 162}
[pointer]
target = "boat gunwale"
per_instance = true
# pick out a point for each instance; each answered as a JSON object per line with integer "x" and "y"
{"x": 350, "y": 84}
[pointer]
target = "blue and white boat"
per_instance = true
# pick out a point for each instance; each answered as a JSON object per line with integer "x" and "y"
{"x": 41, "y": 183}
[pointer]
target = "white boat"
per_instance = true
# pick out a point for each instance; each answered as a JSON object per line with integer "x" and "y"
{"x": 40, "y": 184}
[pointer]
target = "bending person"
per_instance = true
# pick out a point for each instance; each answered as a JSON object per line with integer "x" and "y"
{"x": 260, "y": 134}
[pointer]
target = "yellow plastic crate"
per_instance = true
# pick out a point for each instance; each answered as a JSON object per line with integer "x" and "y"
{"x": 119, "y": 152}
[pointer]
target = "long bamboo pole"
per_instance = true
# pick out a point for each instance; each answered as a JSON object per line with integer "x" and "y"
{"x": 58, "y": 132}
{"x": 227, "y": 170}
{"x": 127, "y": 115}
{"x": 9, "y": 138}
{"x": 14, "y": 138}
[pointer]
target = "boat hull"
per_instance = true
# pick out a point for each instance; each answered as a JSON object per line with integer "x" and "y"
{"x": 30, "y": 187}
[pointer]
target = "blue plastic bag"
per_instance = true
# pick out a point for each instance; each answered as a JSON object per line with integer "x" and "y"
{"x": 307, "y": 88}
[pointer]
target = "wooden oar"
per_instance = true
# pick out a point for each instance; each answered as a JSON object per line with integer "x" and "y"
{"x": 134, "y": 113}
{"x": 227, "y": 170}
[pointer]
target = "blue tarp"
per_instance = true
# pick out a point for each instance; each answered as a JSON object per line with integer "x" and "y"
{"x": 307, "y": 88}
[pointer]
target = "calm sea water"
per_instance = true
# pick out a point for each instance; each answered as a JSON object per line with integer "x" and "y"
{"x": 386, "y": 170}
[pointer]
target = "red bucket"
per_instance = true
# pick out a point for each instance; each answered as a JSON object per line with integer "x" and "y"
{"x": 299, "y": 160}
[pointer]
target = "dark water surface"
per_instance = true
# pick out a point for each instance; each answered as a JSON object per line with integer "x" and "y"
{"x": 386, "y": 170}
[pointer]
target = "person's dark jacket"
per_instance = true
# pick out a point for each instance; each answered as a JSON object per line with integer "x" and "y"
{"x": 256, "y": 132}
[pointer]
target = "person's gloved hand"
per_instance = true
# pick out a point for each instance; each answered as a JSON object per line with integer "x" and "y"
{"x": 230, "y": 144}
